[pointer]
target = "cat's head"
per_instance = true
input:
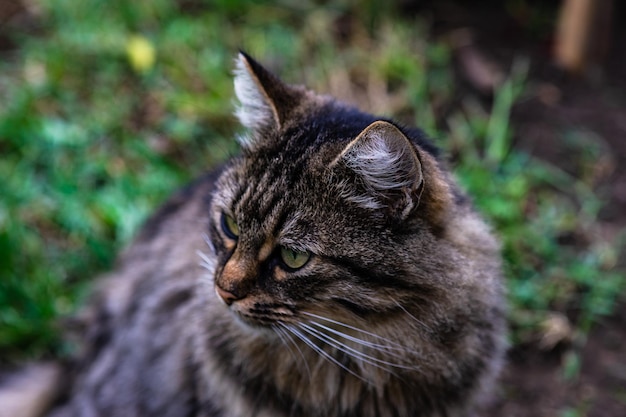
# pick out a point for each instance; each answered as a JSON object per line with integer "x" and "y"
{"x": 328, "y": 212}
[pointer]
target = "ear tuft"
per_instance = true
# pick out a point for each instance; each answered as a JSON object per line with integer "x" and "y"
{"x": 388, "y": 168}
{"x": 266, "y": 103}
{"x": 256, "y": 108}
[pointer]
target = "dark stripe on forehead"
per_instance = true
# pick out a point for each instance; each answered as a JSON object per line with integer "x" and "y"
{"x": 248, "y": 188}
{"x": 238, "y": 193}
{"x": 268, "y": 193}
{"x": 273, "y": 201}
{"x": 256, "y": 201}
{"x": 275, "y": 184}
{"x": 281, "y": 218}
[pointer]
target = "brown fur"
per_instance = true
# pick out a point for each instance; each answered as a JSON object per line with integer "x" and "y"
{"x": 398, "y": 310}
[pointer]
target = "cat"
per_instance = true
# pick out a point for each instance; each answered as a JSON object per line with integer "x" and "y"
{"x": 333, "y": 268}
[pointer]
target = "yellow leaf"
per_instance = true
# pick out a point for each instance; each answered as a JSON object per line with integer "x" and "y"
{"x": 141, "y": 53}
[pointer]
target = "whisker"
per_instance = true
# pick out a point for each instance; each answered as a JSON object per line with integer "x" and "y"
{"x": 321, "y": 351}
{"x": 355, "y": 353}
{"x": 284, "y": 340}
{"x": 206, "y": 262}
{"x": 389, "y": 342}
{"x": 390, "y": 350}
{"x": 208, "y": 242}
{"x": 287, "y": 340}
{"x": 415, "y": 319}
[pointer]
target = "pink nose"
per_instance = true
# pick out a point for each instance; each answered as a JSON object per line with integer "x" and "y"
{"x": 226, "y": 296}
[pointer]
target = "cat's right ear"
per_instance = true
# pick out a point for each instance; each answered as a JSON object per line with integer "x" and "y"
{"x": 265, "y": 101}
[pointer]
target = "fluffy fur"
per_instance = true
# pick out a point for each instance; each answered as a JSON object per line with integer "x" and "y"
{"x": 397, "y": 311}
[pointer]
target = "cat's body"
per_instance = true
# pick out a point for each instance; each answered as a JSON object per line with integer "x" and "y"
{"x": 334, "y": 269}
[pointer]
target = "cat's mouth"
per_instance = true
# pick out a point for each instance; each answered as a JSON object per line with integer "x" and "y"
{"x": 261, "y": 314}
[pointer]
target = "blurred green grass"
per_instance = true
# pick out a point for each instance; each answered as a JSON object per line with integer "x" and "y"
{"x": 111, "y": 105}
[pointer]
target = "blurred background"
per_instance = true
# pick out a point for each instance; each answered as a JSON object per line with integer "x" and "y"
{"x": 107, "y": 106}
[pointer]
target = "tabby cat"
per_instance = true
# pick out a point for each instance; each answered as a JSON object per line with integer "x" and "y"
{"x": 334, "y": 268}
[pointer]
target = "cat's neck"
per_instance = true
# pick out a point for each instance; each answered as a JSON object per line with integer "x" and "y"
{"x": 280, "y": 371}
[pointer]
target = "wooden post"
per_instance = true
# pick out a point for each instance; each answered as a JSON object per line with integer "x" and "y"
{"x": 582, "y": 36}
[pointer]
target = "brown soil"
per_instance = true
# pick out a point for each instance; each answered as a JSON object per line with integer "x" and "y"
{"x": 535, "y": 384}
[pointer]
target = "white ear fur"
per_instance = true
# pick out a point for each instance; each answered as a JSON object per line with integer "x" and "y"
{"x": 255, "y": 108}
{"x": 386, "y": 161}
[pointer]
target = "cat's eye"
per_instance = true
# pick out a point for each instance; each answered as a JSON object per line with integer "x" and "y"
{"x": 294, "y": 259}
{"x": 229, "y": 226}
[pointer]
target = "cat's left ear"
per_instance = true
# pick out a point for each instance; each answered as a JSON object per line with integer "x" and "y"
{"x": 393, "y": 174}
{"x": 265, "y": 101}
{"x": 387, "y": 167}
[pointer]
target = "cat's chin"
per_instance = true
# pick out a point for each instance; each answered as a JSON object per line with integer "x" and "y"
{"x": 257, "y": 327}
{"x": 260, "y": 316}
{"x": 253, "y": 323}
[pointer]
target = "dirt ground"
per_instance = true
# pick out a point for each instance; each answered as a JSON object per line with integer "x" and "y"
{"x": 535, "y": 382}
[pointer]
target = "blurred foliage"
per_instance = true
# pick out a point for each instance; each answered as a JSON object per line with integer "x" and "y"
{"x": 555, "y": 259}
{"x": 110, "y": 105}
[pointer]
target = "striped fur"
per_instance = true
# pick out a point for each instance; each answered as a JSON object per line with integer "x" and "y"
{"x": 398, "y": 311}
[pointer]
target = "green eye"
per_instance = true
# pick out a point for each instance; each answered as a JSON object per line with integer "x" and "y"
{"x": 294, "y": 259}
{"x": 229, "y": 226}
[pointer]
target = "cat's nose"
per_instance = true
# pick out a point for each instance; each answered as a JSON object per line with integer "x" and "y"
{"x": 226, "y": 296}
{"x": 236, "y": 278}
